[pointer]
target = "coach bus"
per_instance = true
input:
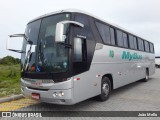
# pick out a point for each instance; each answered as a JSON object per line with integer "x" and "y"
{"x": 70, "y": 56}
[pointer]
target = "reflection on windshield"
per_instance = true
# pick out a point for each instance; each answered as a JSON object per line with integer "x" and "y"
{"x": 48, "y": 56}
{"x": 28, "y": 59}
{"x": 52, "y": 57}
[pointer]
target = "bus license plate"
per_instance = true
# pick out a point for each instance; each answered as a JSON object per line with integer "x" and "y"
{"x": 37, "y": 83}
{"x": 36, "y": 96}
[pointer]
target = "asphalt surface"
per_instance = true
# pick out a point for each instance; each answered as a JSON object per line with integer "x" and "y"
{"x": 138, "y": 96}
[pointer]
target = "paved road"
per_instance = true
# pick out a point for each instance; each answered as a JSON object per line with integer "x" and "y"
{"x": 138, "y": 96}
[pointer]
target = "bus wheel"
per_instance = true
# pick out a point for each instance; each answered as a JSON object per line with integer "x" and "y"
{"x": 105, "y": 89}
{"x": 146, "y": 76}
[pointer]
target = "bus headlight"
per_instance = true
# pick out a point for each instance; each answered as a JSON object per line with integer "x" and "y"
{"x": 55, "y": 94}
{"x": 61, "y": 93}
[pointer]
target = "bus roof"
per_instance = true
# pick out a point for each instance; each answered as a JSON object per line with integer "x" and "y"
{"x": 77, "y": 11}
{"x": 86, "y": 13}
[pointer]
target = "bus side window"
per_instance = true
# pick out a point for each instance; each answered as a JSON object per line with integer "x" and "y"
{"x": 139, "y": 44}
{"x": 119, "y": 38}
{"x": 142, "y": 45}
{"x": 125, "y": 40}
{"x": 104, "y": 32}
{"x": 135, "y": 43}
{"x": 151, "y": 48}
{"x": 112, "y": 33}
{"x": 146, "y": 44}
{"x": 131, "y": 42}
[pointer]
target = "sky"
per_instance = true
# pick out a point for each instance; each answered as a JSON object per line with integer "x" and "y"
{"x": 141, "y": 17}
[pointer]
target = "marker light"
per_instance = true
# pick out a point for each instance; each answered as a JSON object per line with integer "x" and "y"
{"x": 76, "y": 78}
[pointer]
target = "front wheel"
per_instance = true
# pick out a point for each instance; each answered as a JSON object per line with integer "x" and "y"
{"x": 105, "y": 89}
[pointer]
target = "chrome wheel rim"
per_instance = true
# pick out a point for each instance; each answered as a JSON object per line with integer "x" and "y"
{"x": 105, "y": 89}
{"x": 147, "y": 76}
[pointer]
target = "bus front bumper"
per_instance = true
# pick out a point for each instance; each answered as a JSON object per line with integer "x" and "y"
{"x": 50, "y": 96}
{"x": 54, "y": 96}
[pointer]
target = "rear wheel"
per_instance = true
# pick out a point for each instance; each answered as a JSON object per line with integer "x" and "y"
{"x": 146, "y": 76}
{"x": 105, "y": 89}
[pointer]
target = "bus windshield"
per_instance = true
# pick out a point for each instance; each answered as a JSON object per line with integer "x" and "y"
{"x": 48, "y": 56}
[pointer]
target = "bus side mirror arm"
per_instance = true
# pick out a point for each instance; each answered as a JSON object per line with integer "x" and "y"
{"x": 59, "y": 36}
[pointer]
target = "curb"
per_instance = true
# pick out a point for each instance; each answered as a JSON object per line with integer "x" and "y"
{"x": 14, "y": 97}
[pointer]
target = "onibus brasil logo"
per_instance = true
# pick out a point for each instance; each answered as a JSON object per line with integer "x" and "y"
{"x": 129, "y": 56}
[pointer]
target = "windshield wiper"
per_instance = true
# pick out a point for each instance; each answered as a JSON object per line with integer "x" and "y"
{"x": 28, "y": 56}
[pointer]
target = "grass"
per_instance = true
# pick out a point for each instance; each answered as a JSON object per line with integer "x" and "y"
{"x": 9, "y": 80}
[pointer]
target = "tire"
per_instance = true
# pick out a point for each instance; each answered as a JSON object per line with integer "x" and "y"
{"x": 146, "y": 76}
{"x": 105, "y": 89}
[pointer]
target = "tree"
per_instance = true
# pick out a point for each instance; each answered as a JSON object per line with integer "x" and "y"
{"x": 9, "y": 60}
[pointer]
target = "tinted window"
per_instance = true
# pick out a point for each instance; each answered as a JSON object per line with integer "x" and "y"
{"x": 104, "y": 32}
{"x": 112, "y": 36}
{"x": 140, "y": 44}
{"x": 125, "y": 40}
{"x": 31, "y": 32}
{"x": 119, "y": 38}
{"x": 135, "y": 42}
{"x": 131, "y": 42}
{"x": 51, "y": 56}
{"x": 146, "y": 44}
{"x": 86, "y": 31}
{"x": 151, "y": 48}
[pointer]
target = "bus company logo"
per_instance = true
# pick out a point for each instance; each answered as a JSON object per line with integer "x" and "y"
{"x": 111, "y": 53}
{"x": 129, "y": 56}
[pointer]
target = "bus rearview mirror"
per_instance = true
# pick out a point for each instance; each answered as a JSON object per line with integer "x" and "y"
{"x": 60, "y": 27}
{"x": 14, "y": 43}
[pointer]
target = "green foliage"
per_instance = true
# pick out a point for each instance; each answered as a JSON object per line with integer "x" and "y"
{"x": 12, "y": 74}
{"x": 9, "y": 76}
{"x": 9, "y": 60}
{"x": 9, "y": 80}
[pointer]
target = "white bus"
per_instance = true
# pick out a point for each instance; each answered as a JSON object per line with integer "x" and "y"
{"x": 70, "y": 56}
